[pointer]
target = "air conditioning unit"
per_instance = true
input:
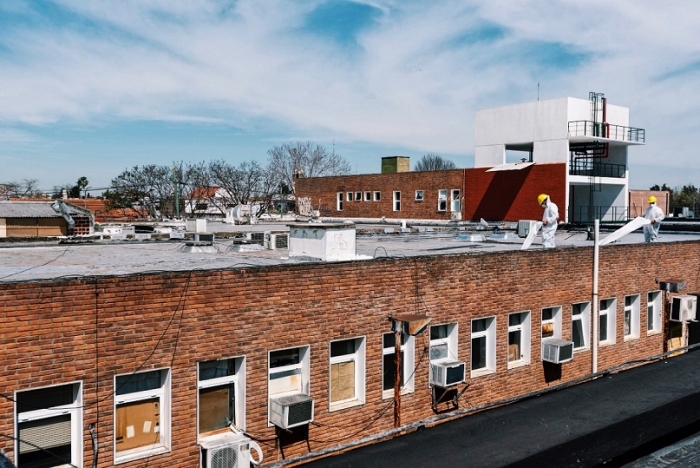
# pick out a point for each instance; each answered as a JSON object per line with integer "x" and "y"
{"x": 257, "y": 238}
{"x": 204, "y": 238}
{"x": 525, "y": 226}
{"x": 683, "y": 308}
{"x": 557, "y": 351}
{"x": 277, "y": 241}
{"x": 228, "y": 451}
{"x": 447, "y": 373}
{"x": 291, "y": 410}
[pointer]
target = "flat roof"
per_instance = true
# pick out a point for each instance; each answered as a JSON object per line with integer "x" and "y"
{"x": 32, "y": 261}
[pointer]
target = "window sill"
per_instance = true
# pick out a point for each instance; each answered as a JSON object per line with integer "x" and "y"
{"x": 653, "y": 332}
{"x": 388, "y": 394}
{"x": 136, "y": 454}
{"x": 345, "y": 405}
{"x": 516, "y": 364}
{"x": 481, "y": 372}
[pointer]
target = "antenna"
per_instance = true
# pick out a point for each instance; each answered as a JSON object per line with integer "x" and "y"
{"x": 538, "y": 90}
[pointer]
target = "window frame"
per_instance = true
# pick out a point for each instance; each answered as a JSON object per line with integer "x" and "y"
{"x": 304, "y": 372}
{"x": 407, "y": 365}
{"x": 610, "y": 312}
{"x": 237, "y": 379}
{"x": 555, "y": 320}
{"x": 368, "y": 196}
{"x": 420, "y": 195}
{"x": 633, "y": 310}
{"x": 455, "y": 201}
{"x": 450, "y": 340}
{"x": 377, "y": 196}
{"x": 163, "y": 393}
{"x": 348, "y": 196}
{"x": 396, "y": 200}
{"x": 358, "y": 196}
{"x": 583, "y": 316}
{"x": 524, "y": 328}
{"x": 442, "y": 200}
{"x": 74, "y": 409}
{"x": 490, "y": 348}
{"x": 359, "y": 357}
{"x": 656, "y": 315}
{"x": 339, "y": 201}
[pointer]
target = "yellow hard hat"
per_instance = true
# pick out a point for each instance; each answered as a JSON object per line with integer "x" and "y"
{"x": 652, "y": 199}
{"x": 542, "y": 198}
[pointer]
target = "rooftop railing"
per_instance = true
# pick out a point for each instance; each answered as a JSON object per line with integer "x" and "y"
{"x": 606, "y": 214}
{"x": 606, "y": 130}
{"x": 593, "y": 168}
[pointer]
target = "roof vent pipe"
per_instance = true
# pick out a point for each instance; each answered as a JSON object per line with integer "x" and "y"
{"x": 403, "y": 224}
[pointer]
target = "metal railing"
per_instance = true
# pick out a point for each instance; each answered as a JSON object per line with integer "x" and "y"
{"x": 606, "y": 214}
{"x": 606, "y": 130}
{"x": 593, "y": 168}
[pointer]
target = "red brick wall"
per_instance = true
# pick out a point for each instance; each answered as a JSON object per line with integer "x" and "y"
{"x": 494, "y": 196}
{"x": 89, "y": 330}
{"x": 639, "y": 201}
{"x": 512, "y": 195}
{"x": 323, "y": 192}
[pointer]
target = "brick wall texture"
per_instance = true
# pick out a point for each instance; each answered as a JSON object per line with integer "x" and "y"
{"x": 91, "y": 329}
{"x": 493, "y": 196}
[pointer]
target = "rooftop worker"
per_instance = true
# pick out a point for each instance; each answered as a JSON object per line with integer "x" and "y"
{"x": 655, "y": 215}
{"x": 549, "y": 220}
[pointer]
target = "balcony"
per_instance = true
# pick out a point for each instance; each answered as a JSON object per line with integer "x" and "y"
{"x": 594, "y": 168}
{"x": 590, "y": 129}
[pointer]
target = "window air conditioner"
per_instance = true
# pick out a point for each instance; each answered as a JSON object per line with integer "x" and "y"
{"x": 291, "y": 410}
{"x": 257, "y": 238}
{"x": 278, "y": 241}
{"x": 446, "y": 373}
{"x": 229, "y": 451}
{"x": 557, "y": 351}
{"x": 683, "y": 308}
{"x": 524, "y": 227}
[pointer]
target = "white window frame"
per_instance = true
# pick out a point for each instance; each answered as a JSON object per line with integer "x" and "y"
{"x": 420, "y": 195}
{"x": 74, "y": 409}
{"x": 407, "y": 365}
{"x": 555, "y": 320}
{"x": 358, "y": 357}
{"x": 442, "y": 200}
{"x": 607, "y": 313}
{"x": 304, "y": 372}
{"x": 490, "y": 334}
{"x": 237, "y": 379}
{"x": 581, "y": 312}
{"x": 339, "y": 202}
{"x": 368, "y": 196}
{"x": 358, "y": 196}
{"x": 524, "y": 328}
{"x": 449, "y": 342}
{"x": 654, "y": 312}
{"x": 455, "y": 204}
{"x": 377, "y": 196}
{"x": 397, "y": 200}
{"x": 163, "y": 395}
{"x": 631, "y": 314}
{"x": 348, "y": 196}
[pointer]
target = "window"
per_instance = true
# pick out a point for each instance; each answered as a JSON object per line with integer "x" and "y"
{"x": 397, "y": 201}
{"x": 631, "y": 317}
{"x": 443, "y": 342}
{"x": 358, "y": 196}
{"x": 201, "y": 206}
{"x": 419, "y": 195}
{"x": 348, "y": 196}
{"x": 368, "y": 196}
{"x": 551, "y": 322}
{"x": 654, "y": 312}
{"x": 454, "y": 200}
{"x": 49, "y": 426}
{"x": 442, "y": 200}
{"x": 518, "y": 339}
{"x": 142, "y": 409}
{"x": 339, "y": 204}
{"x": 377, "y": 196}
{"x": 221, "y": 400}
{"x": 288, "y": 372}
{"x": 347, "y": 369}
{"x": 407, "y": 359}
{"x": 607, "y": 321}
{"x": 483, "y": 346}
{"x": 580, "y": 324}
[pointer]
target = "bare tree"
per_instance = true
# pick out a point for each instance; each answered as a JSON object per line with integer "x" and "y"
{"x": 27, "y": 188}
{"x": 148, "y": 189}
{"x": 433, "y": 162}
{"x": 247, "y": 183}
{"x": 294, "y": 160}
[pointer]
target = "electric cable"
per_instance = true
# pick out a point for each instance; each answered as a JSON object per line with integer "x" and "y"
{"x": 62, "y": 460}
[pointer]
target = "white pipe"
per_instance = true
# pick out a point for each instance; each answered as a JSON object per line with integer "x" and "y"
{"x": 594, "y": 299}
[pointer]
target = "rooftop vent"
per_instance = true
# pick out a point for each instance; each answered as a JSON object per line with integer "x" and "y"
{"x": 326, "y": 242}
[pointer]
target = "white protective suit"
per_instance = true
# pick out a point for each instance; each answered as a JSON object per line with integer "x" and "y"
{"x": 651, "y": 231}
{"x": 551, "y": 214}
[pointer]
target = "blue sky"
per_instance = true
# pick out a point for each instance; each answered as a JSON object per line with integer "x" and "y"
{"x": 92, "y": 88}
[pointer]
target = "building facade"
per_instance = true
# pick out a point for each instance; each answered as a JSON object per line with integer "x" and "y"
{"x": 151, "y": 366}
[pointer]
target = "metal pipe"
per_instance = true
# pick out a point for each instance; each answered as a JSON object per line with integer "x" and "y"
{"x": 397, "y": 377}
{"x": 594, "y": 298}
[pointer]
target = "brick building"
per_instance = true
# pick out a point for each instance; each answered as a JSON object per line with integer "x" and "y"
{"x": 155, "y": 363}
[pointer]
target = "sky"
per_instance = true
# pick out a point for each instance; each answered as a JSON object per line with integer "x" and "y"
{"x": 92, "y": 88}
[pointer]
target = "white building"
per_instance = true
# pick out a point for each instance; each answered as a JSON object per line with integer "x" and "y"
{"x": 590, "y": 136}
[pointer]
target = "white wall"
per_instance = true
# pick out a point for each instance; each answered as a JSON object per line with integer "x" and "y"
{"x": 3, "y": 227}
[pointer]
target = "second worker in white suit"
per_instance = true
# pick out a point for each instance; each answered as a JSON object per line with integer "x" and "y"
{"x": 549, "y": 220}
